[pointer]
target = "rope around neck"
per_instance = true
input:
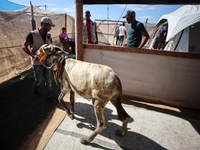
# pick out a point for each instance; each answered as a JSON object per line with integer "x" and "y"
{"x": 45, "y": 65}
{"x": 52, "y": 63}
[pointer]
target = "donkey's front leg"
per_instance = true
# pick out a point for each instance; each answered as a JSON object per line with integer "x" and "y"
{"x": 64, "y": 92}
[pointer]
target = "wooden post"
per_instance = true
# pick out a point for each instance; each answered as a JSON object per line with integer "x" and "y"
{"x": 66, "y": 22}
{"x": 32, "y": 20}
{"x": 146, "y": 23}
{"x": 79, "y": 29}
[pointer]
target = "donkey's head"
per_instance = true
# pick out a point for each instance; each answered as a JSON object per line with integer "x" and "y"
{"x": 50, "y": 53}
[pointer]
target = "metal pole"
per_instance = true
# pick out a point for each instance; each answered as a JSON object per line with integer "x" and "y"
{"x": 108, "y": 22}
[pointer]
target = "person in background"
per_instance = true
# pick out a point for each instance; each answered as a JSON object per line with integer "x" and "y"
{"x": 89, "y": 30}
{"x": 35, "y": 39}
{"x": 66, "y": 41}
{"x": 135, "y": 32}
{"x": 122, "y": 33}
{"x": 117, "y": 34}
{"x": 158, "y": 37}
{"x": 164, "y": 43}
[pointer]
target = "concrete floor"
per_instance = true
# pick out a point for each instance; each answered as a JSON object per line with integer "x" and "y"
{"x": 147, "y": 129}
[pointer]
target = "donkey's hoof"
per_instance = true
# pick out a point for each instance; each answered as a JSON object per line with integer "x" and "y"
{"x": 71, "y": 116}
{"x": 119, "y": 133}
{"x": 84, "y": 141}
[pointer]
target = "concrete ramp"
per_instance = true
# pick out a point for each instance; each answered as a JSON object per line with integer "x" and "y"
{"x": 147, "y": 129}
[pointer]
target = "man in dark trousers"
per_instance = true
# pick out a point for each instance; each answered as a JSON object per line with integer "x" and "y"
{"x": 35, "y": 39}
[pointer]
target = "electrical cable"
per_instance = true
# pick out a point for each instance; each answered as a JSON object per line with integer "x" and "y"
{"x": 117, "y": 21}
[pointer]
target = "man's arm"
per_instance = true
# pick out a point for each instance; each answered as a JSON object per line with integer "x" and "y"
{"x": 165, "y": 34}
{"x": 155, "y": 32}
{"x": 125, "y": 32}
{"x": 61, "y": 39}
{"x": 124, "y": 45}
{"x": 118, "y": 31}
{"x": 25, "y": 48}
{"x": 96, "y": 37}
{"x": 144, "y": 40}
{"x": 96, "y": 33}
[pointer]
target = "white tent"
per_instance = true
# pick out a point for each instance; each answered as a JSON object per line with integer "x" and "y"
{"x": 183, "y": 29}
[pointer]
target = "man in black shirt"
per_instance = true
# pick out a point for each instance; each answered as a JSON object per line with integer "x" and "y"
{"x": 35, "y": 39}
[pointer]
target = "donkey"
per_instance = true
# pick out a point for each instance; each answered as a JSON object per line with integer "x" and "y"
{"x": 91, "y": 81}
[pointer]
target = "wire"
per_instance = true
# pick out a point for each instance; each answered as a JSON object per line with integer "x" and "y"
{"x": 117, "y": 21}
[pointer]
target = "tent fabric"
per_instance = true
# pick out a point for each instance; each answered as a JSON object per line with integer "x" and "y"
{"x": 180, "y": 42}
{"x": 181, "y": 19}
{"x": 10, "y": 6}
{"x": 14, "y": 27}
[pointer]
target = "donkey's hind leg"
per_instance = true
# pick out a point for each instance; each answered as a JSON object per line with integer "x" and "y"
{"x": 101, "y": 124}
{"x": 72, "y": 100}
{"x": 122, "y": 114}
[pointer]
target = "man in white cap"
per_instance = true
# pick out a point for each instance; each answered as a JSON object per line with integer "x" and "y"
{"x": 136, "y": 31}
{"x": 35, "y": 39}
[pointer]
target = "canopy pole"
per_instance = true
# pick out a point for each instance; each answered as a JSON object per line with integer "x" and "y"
{"x": 32, "y": 20}
{"x": 66, "y": 22}
{"x": 79, "y": 29}
{"x": 146, "y": 23}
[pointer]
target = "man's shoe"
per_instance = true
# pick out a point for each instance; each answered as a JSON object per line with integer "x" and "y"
{"x": 52, "y": 101}
{"x": 36, "y": 93}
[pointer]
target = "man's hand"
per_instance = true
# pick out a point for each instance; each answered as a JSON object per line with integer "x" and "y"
{"x": 35, "y": 57}
{"x": 124, "y": 45}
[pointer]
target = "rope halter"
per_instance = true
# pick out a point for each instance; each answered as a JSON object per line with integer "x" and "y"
{"x": 47, "y": 50}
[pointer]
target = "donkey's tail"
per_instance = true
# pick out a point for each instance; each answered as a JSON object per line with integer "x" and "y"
{"x": 116, "y": 101}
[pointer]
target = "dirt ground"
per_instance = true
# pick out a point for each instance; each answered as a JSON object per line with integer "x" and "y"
{"x": 39, "y": 138}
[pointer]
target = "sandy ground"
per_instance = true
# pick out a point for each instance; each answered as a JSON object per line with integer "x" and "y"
{"x": 151, "y": 126}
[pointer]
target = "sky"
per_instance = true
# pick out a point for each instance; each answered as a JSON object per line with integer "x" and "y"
{"x": 152, "y": 12}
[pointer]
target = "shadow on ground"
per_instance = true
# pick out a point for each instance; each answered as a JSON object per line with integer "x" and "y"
{"x": 20, "y": 111}
{"x": 132, "y": 139}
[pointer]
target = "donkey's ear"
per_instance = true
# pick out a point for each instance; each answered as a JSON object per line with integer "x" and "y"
{"x": 48, "y": 48}
{"x": 42, "y": 49}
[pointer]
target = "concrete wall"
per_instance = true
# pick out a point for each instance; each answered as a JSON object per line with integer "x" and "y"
{"x": 171, "y": 78}
{"x": 70, "y": 26}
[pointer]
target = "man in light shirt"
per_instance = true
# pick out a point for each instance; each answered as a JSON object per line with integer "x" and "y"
{"x": 122, "y": 33}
